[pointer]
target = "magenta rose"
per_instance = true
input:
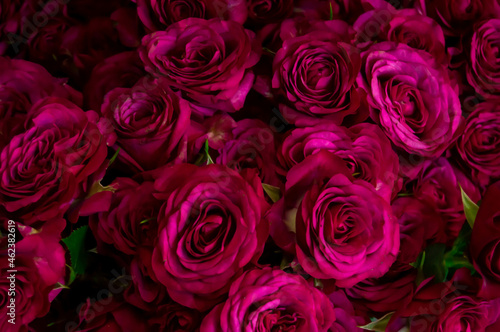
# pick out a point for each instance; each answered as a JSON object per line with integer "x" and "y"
{"x": 438, "y": 184}
{"x": 210, "y": 61}
{"x": 43, "y": 169}
{"x": 345, "y": 316}
{"x": 448, "y": 307}
{"x": 479, "y": 145}
{"x": 130, "y": 220}
{"x": 389, "y": 293}
{"x": 150, "y": 122}
{"x": 364, "y": 147}
{"x": 342, "y": 229}
{"x": 271, "y": 300}
{"x": 39, "y": 265}
{"x": 412, "y": 98}
{"x": 22, "y": 84}
{"x": 108, "y": 314}
{"x": 317, "y": 76}
{"x": 121, "y": 70}
{"x": 210, "y": 230}
{"x": 252, "y": 147}
{"x": 483, "y": 68}
{"x": 485, "y": 242}
{"x": 159, "y": 14}
{"x": 420, "y": 224}
{"x": 405, "y": 26}
{"x": 456, "y": 16}
{"x": 262, "y": 12}
{"x": 172, "y": 317}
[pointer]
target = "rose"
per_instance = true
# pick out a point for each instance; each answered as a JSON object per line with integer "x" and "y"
{"x": 261, "y": 12}
{"x": 120, "y": 70}
{"x": 482, "y": 67}
{"x": 341, "y": 227}
{"x": 405, "y": 26}
{"x": 172, "y": 317}
{"x": 85, "y": 45}
{"x": 364, "y": 147}
{"x": 159, "y": 14}
{"x": 438, "y": 184}
{"x": 208, "y": 60}
{"x": 386, "y": 294}
{"x": 39, "y": 265}
{"x": 271, "y": 300}
{"x": 455, "y": 16}
{"x": 447, "y": 307}
{"x": 145, "y": 291}
{"x": 22, "y": 84}
{"x": 317, "y": 76}
{"x": 251, "y": 147}
{"x": 44, "y": 46}
{"x": 485, "y": 243}
{"x": 412, "y": 98}
{"x": 42, "y": 169}
{"x": 210, "y": 229}
{"x": 130, "y": 221}
{"x": 108, "y": 314}
{"x": 150, "y": 124}
{"x": 420, "y": 224}
{"x": 479, "y": 145}
{"x": 345, "y": 316}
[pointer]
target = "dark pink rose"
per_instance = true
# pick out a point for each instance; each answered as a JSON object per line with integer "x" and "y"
{"x": 342, "y": 229}
{"x": 448, "y": 307}
{"x": 456, "y": 16}
{"x": 22, "y": 84}
{"x": 39, "y": 265}
{"x": 345, "y": 316}
{"x": 405, "y": 26}
{"x": 364, "y": 147}
{"x": 252, "y": 147}
{"x": 317, "y": 76}
{"x": 485, "y": 242}
{"x": 130, "y": 220}
{"x": 483, "y": 68}
{"x": 261, "y": 12}
{"x": 438, "y": 184}
{"x": 208, "y": 60}
{"x": 412, "y": 98}
{"x": 145, "y": 291}
{"x": 121, "y": 70}
{"x": 43, "y": 169}
{"x": 271, "y": 300}
{"x": 210, "y": 229}
{"x": 420, "y": 224}
{"x": 388, "y": 293}
{"x": 159, "y": 14}
{"x": 479, "y": 145}
{"x": 85, "y": 45}
{"x": 106, "y": 315}
{"x": 150, "y": 122}
{"x": 172, "y": 317}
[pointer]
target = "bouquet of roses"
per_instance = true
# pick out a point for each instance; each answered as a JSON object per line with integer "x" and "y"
{"x": 250, "y": 165}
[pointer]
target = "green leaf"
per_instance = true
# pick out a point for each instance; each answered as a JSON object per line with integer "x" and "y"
{"x": 457, "y": 257}
{"x": 207, "y": 154}
{"x": 272, "y": 191}
{"x": 378, "y": 325}
{"x": 72, "y": 275}
{"x": 470, "y": 208}
{"x": 76, "y": 246}
{"x": 419, "y": 265}
{"x": 331, "y": 12}
{"x": 434, "y": 262}
{"x": 112, "y": 160}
